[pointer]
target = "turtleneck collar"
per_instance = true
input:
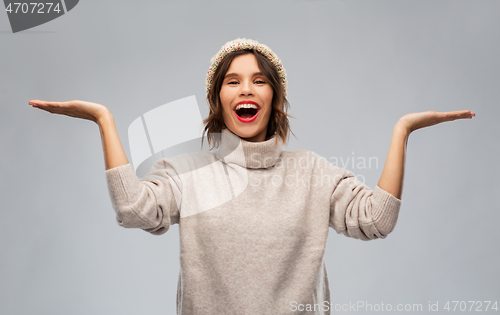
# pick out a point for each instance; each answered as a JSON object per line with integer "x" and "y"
{"x": 248, "y": 154}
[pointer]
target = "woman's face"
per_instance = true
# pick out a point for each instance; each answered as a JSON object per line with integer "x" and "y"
{"x": 245, "y": 85}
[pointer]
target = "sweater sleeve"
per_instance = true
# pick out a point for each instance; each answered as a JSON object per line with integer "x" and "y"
{"x": 148, "y": 203}
{"x": 360, "y": 212}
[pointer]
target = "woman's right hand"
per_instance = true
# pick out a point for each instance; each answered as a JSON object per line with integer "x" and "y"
{"x": 79, "y": 109}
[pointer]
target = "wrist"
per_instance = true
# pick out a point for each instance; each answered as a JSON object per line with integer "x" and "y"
{"x": 403, "y": 128}
{"x": 103, "y": 117}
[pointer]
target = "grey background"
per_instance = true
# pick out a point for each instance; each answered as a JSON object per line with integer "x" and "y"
{"x": 354, "y": 68}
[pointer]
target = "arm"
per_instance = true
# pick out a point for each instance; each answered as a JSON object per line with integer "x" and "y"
{"x": 359, "y": 212}
{"x": 114, "y": 155}
{"x": 392, "y": 176}
{"x": 148, "y": 203}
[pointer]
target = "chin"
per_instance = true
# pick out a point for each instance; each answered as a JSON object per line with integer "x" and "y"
{"x": 247, "y": 132}
{"x": 243, "y": 133}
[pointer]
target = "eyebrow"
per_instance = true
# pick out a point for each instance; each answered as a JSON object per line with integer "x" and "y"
{"x": 235, "y": 74}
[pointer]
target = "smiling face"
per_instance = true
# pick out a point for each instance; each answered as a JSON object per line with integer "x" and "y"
{"x": 246, "y": 97}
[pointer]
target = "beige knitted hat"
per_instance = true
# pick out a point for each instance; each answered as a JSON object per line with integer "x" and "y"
{"x": 244, "y": 44}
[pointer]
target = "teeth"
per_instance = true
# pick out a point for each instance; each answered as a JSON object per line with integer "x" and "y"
{"x": 246, "y": 106}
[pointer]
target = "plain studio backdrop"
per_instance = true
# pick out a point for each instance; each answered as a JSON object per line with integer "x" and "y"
{"x": 354, "y": 68}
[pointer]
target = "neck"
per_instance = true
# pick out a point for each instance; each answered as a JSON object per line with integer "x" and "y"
{"x": 249, "y": 154}
{"x": 261, "y": 136}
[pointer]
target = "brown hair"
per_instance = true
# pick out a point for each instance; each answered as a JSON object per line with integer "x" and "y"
{"x": 278, "y": 122}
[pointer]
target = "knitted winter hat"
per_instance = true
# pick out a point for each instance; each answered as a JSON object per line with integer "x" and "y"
{"x": 244, "y": 44}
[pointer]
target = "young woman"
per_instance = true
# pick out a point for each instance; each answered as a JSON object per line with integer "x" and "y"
{"x": 253, "y": 218}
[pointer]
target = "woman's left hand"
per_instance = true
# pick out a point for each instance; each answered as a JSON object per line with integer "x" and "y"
{"x": 414, "y": 121}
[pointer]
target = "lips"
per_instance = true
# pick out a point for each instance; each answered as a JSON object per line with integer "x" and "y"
{"x": 247, "y": 112}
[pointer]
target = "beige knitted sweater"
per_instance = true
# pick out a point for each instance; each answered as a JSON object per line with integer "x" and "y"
{"x": 253, "y": 223}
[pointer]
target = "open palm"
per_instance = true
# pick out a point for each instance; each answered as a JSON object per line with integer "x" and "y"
{"x": 414, "y": 121}
{"x": 75, "y": 108}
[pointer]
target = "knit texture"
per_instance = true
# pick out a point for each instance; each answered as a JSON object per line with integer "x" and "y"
{"x": 244, "y": 44}
{"x": 253, "y": 222}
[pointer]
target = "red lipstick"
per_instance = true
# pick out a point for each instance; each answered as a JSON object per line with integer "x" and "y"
{"x": 249, "y": 119}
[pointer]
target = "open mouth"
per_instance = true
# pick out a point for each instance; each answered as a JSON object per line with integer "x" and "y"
{"x": 246, "y": 112}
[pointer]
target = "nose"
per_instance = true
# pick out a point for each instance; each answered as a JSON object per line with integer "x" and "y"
{"x": 246, "y": 87}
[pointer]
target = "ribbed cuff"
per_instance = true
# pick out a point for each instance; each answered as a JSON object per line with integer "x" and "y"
{"x": 122, "y": 181}
{"x": 385, "y": 210}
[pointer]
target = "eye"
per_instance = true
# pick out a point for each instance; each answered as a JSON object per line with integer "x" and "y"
{"x": 258, "y": 82}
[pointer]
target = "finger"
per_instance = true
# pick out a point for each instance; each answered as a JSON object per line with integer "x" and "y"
{"x": 55, "y": 103}
{"x": 47, "y": 103}
{"x": 461, "y": 114}
{"x": 34, "y": 102}
{"x": 465, "y": 114}
{"x": 37, "y": 103}
{"x": 54, "y": 106}
{"x": 50, "y": 107}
